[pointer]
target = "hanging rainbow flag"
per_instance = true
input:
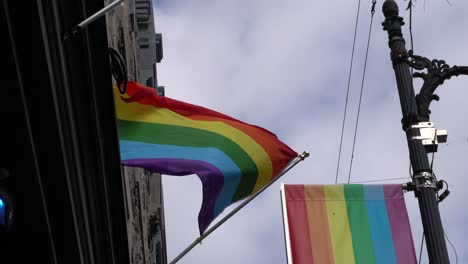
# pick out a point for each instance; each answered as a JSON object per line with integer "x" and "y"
{"x": 347, "y": 224}
{"x": 233, "y": 159}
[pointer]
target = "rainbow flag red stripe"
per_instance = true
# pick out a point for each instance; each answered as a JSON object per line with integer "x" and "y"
{"x": 347, "y": 224}
{"x": 233, "y": 159}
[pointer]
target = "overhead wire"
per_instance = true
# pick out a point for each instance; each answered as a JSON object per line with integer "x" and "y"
{"x": 410, "y": 7}
{"x": 347, "y": 90}
{"x": 453, "y": 247}
{"x": 379, "y": 180}
{"x": 421, "y": 248}
{"x": 362, "y": 88}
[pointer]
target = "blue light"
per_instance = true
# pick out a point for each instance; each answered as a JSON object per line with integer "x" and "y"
{"x": 2, "y": 213}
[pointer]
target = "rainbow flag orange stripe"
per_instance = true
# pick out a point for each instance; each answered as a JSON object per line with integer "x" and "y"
{"x": 233, "y": 159}
{"x": 347, "y": 224}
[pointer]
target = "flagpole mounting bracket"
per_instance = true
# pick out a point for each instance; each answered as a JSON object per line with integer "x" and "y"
{"x": 425, "y": 179}
{"x": 304, "y": 155}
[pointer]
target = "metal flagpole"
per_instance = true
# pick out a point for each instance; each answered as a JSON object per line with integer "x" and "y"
{"x": 92, "y": 18}
{"x": 290, "y": 165}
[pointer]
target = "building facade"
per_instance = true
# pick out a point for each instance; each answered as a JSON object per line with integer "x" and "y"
{"x": 131, "y": 31}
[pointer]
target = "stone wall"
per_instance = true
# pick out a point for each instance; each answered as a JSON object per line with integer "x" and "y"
{"x": 131, "y": 32}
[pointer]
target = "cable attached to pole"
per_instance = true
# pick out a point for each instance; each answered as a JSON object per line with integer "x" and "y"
{"x": 453, "y": 247}
{"x": 374, "y": 2}
{"x": 410, "y": 7}
{"x": 441, "y": 198}
{"x": 119, "y": 70}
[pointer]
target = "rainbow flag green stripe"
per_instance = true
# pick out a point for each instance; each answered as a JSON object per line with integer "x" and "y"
{"x": 359, "y": 226}
{"x": 348, "y": 224}
{"x": 233, "y": 159}
{"x": 192, "y": 137}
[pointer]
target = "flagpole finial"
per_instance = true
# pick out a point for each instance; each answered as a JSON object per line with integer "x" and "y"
{"x": 304, "y": 155}
{"x": 390, "y": 8}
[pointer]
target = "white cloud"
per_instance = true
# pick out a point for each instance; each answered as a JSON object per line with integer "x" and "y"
{"x": 283, "y": 65}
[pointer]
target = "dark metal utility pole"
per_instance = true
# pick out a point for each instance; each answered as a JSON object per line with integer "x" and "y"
{"x": 423, "y": 178}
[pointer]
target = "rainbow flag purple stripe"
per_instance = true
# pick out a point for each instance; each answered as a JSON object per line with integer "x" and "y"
{"x": 347, "y": 224}
{"x": 233, "y": 159}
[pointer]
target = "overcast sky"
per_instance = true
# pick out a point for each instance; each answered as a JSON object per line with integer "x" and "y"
{"x": 283, "y": 65}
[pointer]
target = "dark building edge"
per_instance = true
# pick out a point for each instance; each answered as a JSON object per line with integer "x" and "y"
{"x": 59, "y": 139}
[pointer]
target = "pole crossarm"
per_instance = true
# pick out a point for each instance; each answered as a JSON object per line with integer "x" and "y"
{"x": 437, "y": 72}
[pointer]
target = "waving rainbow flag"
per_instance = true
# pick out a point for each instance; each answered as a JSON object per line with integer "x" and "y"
{"x": 347, "y": 224}
{"x": 233, "y": 159}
